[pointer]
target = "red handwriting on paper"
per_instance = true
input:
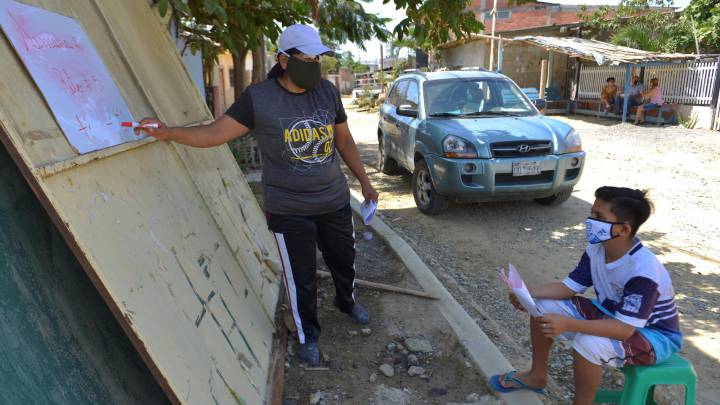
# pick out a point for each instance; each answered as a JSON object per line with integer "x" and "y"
{"x": 83, "y": 124}
{"x": 91, "y": 82}
{"x": 108, "y": 119}
{"x": 66, "y": 82}
{"x": 41, "y": 41}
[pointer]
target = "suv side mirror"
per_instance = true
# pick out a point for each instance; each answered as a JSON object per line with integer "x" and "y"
{"x": 540, "y": 103}
{"x": 407, "y": 110}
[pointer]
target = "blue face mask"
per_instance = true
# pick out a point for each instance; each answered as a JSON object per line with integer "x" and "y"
{"x": 598, "y": 231}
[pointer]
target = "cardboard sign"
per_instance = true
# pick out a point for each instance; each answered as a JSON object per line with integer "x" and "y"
{"x": 75, "y": 82}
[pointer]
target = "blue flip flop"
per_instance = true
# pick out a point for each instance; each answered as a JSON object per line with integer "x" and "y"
{"x": 510, "y": 376}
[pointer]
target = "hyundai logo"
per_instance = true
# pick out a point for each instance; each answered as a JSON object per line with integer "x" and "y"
{"x": 523, "y": 148}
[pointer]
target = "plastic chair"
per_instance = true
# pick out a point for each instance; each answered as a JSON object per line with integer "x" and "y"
{"x": 640, "y": 382}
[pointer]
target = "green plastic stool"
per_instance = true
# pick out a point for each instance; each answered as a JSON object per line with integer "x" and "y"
{"x": 640, "y": 382}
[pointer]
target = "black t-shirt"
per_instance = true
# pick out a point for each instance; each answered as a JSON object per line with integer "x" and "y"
{"x": 296, "y": 132}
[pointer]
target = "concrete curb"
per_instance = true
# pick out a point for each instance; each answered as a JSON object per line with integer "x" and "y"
{"x": 483, "y": 352}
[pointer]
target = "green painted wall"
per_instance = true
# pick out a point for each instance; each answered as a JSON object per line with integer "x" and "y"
{"x": 59, "y": 343}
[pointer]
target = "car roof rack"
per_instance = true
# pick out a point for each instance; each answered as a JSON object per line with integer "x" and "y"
{"x": 479, "y": 68}
{"x": 414, "y": 71}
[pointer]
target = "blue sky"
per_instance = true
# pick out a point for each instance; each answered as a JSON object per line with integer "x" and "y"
{"x": 388, "y": 10}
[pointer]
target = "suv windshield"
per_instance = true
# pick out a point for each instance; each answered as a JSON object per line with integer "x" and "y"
{"x": 475, "y": 98}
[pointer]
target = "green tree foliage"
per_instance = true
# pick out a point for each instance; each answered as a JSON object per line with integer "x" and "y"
{"x": 705, "y": 14}
{"x": 347, "y": 21}
{"x": 235, "y": 24}
{"x": 329, "y": 64}
{"x": 435, "y": 22}
{"x": 239, "y": 25}
{"x": 652, "y": 25}
{"x": 346, "y": 60}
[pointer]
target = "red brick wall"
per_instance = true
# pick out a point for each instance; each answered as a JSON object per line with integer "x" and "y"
{"x": 530, "y": 15}
{"x": 501, "y": 4}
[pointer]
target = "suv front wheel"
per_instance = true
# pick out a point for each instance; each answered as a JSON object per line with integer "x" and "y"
{"x": 428, "y": 201}
{"x": 555, "y": 199}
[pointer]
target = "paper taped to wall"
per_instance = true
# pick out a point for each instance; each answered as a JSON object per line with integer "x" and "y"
{"x": 72, "y": 77}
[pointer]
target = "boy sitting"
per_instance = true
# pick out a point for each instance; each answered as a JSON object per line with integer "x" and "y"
{"x": 608, "y": 93}
{"x": 634, "y": 319}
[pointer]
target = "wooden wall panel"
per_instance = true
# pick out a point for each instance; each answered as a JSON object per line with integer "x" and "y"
{"x": 158, "y": 250}
{"x": 59, "y": 343}
{"x": 172, "y": 237}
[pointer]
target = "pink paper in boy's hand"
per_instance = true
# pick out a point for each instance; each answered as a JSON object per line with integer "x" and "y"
{"x": 503, "y": 277}
{"x": 517, "y": 286}
{"x": 513, "y": 279}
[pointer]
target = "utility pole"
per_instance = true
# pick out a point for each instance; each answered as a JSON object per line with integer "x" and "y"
{"x": 382, "y": 68}
{"x": 492, "y": 33}
{"x": 543, "y": 77}
{"x": 694, "y": 31}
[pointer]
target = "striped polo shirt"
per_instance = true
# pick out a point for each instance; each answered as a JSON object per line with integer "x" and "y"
{"x": 635, "y": 289}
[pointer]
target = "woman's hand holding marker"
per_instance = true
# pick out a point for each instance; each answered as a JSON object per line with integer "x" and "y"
{"x": 152, "y": 127}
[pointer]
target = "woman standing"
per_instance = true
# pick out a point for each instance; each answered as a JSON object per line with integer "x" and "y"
{"x": 300, "y": 124}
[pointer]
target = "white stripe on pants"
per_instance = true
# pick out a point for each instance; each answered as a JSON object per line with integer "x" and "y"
{"x": 290, "y": 284}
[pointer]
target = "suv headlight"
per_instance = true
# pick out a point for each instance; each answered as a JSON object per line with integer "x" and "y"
{"x": 458, "y": 148}
{"x": 572, "y": 142}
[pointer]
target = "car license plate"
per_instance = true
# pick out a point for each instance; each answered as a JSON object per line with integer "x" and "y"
{"x": 526, "y": 168}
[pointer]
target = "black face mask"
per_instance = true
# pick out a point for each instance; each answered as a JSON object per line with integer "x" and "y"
{"x": 304, "y": 74}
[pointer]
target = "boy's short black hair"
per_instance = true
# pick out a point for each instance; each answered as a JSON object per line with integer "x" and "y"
{"x": 629, "y": 205}
{"x": 609, "y": 78}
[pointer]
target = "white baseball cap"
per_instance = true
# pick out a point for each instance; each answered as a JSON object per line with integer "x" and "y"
{"x": 304, "y": 38}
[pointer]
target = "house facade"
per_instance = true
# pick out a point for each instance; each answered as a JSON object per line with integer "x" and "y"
{"x": 520, "y": 61}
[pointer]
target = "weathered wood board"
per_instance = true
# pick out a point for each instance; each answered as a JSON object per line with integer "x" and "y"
{"x": 59, "y": 342}
{"x": 171, "y": 236}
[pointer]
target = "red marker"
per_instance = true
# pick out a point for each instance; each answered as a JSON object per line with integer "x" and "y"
{"x": 135, "y": 124}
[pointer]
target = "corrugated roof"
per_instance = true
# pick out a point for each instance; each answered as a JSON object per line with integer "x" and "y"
{"x": 603, "y": 53}
{"x": 464, "y": 40}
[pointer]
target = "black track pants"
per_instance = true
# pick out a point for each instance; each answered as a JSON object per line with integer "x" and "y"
{"x": 297, "y": 237}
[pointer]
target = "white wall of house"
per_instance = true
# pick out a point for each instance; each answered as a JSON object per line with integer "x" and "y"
{"x": 466, "y": 55}
{"x": 704, "y": 114}
{"x": 194, "y": 65}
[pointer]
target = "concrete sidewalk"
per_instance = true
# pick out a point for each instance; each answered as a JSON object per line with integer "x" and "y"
{"x": 481, "y": 349}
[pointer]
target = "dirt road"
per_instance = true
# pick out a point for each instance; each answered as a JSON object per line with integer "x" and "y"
{"x": 467, "y": 244}
{"x": 399, "y": 358}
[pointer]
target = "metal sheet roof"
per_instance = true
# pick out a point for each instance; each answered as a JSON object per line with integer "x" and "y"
{"x": 603, "y": 53}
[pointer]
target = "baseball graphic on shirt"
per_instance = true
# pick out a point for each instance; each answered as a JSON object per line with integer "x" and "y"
{"x": 309, "y": 140}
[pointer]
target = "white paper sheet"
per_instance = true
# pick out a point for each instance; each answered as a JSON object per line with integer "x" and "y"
{"x": 71, "y": 75}
{"x": 367, "y": 211}
{"x": 516, "y": 284}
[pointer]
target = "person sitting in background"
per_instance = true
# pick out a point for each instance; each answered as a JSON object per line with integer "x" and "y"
{"x": 607, "y": 95}
{"x": 635, "y": 95}
{"x": 652, "y": 99}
